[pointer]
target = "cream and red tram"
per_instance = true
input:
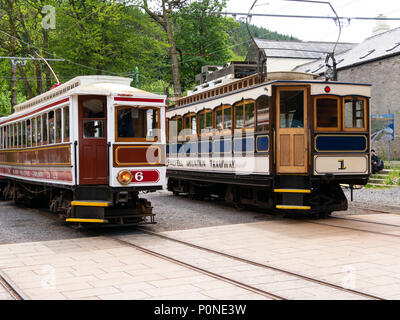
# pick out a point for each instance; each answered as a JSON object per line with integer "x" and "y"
{"x": 88, "y": 147}
{"x": 285, "y": 144}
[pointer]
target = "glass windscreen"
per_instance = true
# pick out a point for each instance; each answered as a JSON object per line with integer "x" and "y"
{"x": 134, "y": 122}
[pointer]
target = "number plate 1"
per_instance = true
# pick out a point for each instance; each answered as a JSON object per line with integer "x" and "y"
{"x": 145, "y": 176}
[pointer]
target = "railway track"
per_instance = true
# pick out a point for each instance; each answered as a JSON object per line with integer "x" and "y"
{"x": 279, "y": 271}
{"x": 9, "y": 286}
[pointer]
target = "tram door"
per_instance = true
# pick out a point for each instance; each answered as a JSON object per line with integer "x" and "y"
{"x": 93, "y": 158}
{"x": 291, "y": 130}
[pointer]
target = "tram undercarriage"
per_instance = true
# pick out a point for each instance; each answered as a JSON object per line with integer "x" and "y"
{"x": 317, "y": 198}
{"x": 84, "y": 204}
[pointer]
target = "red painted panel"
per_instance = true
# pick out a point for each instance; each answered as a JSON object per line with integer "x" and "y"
{"x": 139, "y": 100}
{"x": 141, "y": 176}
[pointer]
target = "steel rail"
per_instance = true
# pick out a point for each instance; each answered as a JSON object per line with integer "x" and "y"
{"x": 11, "y": 288}
{"x": 203, "y": 271}
{"x": 265, "y": 266}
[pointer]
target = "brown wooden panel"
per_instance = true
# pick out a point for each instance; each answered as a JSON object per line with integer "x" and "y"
{"x": 284, "y": 149}
{"x": 134, "y": 155}
{"x": 41, "y": 156}
{"x": 299, "y": 150}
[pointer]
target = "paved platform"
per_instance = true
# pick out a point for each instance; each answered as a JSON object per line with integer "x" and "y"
{"x": 102, "y": 268}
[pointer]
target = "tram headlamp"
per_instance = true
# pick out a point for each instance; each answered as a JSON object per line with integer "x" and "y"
{"x": 125, "y": 177}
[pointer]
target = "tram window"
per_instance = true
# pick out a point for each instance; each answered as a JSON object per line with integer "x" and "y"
{"x": 205, "y": 121}
{"x": 327, "y": 113}
{"x": 172, "y": 129}
{"x": 245, "y": 115}
{"x": 354, "y": 113}
{"x": 228, "y": 118}
{"x": 138, "y": 123}
{"x": 93, "y": 108}
{"x": 190, "y": 124}
{"x": 28, "y": 133}
{"x": 21, "y": 134}
{"x": 51, "y": 127}
{"x": 223, "y": 117}
{"x": 249, "y": 115}
{"x": 219, "y": 124}
{"x": 93, "y": 129}
{"x": 292, "y": 109}
{"x": 239, "y": 116}
{"x": 58, "y": 125}
{"x": 39, "y": 129}
{"x": 66, "y": 123}
{"x": 33, "y": 131}
{"x": 44, "y": 121}
{"x": 263, "y": 113}
{"x": 24, "y": 133}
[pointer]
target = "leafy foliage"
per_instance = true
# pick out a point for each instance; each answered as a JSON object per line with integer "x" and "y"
{"x": 112, "y": 38}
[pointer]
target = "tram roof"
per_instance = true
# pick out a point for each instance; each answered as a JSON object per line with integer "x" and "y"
{"x": 98, "y": 85}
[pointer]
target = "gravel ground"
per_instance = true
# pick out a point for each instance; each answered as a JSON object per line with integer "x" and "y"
{"x": 389, "y": 196}
{"x": 21, "y": 224}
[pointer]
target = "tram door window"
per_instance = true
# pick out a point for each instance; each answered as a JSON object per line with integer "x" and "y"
{"x": 291, "y": 130}
{"x": 292, "y": 109}
{"x": 93, "y": 149}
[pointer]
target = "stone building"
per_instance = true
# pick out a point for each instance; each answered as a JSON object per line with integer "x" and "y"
{"x": 286, "y": 55}
{"x": 376, "y": 61}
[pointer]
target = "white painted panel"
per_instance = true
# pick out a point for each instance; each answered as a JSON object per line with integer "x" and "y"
{"x": 341, "y": 164}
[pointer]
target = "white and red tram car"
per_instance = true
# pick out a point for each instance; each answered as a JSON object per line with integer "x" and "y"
{"x": 88, "y": 147}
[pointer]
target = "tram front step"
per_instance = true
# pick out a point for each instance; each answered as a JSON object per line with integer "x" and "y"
{"x": 292, "y": 207}
{"x": 292, "y": 190}
{"x": 90, "y": 203}
{"x": 88, "y": 211}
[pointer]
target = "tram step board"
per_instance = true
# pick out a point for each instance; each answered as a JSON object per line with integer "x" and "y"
{"x": 290, "y": 207}
{"x": 86, "y": 220}
{"x": 90, "y": 203}
{"x": 292, "y": 190}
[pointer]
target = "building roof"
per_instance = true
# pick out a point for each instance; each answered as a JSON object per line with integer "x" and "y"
{"x": 376, "y": 47}
{"x": 298, "y": 50}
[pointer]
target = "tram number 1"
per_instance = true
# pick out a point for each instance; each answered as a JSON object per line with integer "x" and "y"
{"x": 342, "y": 166}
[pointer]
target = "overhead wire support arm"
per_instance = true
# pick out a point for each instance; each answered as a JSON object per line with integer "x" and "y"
{"x": 305, "y": 17}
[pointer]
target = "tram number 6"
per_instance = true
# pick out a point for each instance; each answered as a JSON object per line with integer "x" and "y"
{"x": 139, "y": 176}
